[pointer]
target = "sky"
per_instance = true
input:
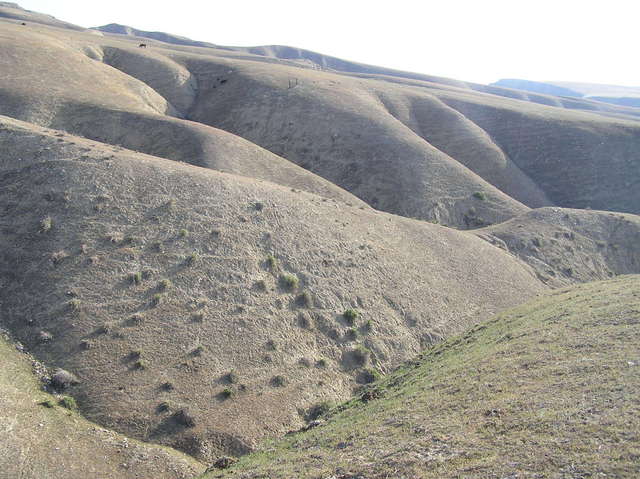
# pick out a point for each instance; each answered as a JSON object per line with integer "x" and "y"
{"x": 472, "y": 40}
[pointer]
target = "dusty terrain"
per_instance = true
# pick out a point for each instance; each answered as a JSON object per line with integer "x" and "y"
{"x": 214, "y": 240}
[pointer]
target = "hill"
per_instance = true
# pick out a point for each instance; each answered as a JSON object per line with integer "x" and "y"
{"x": 416, "y": 148}
{"x": 547, "y": 389}
{"x": 211, "y": 241}
{"x": 613, "y": 94}
{"x": 165, "y": 286}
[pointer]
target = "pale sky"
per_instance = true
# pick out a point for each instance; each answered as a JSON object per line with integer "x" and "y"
{"x": 472, "y": 40}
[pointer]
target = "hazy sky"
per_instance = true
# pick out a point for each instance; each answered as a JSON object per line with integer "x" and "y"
{"x": 473, "y": 40}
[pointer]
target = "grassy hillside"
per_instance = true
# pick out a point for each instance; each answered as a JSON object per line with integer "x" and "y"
{"x": 548, "y": 389}
{"x": 42, "y": 438}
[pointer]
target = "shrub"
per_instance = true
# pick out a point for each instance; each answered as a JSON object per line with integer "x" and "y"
{"x": 480, "y": 195}
{"x": 226, "y": 393}
{"x": 289, "y": 281}
{"x": 197, "y": 351}
{"x": 74, "y": 305}
{"x": 318, "y": 410}
{"x": 135, "y": 320}
{"x": 271, "y": 262}
{"x": 156, "y": 299}
{"x": 167, "y": 386}
{"x": 197, "y": 317}
{"x": 231, "y": 377}
{"x": 351, "y": 334}
{"x": 367, "y": 376}
{"x": 304, "y": 299}
{"x": 103, "y": 329}
{"x": 271, "y": 345}
{"x": 350, "y": 316}
{"x": 140, "y": 364}
{"x": 278, "y": 381}
{"x": 134, "y": 355}
{"x": 59, "y": 257}
{"x": 164, "y": 285}
{"x": 46, "y": 224}
{"x": 62, "y": 379}
{"x": 69, "y": 403}
{"x": 48, "y": 403}
{"x": 321, "y": 363}
{"x": 183, "y": 233}
{"x": 192, "y": 258}
{"x": 165, "y": 406}
{"x": 360, "y": 355}
{"x": 185, "y": 418}
{"x": 135, "y": 278}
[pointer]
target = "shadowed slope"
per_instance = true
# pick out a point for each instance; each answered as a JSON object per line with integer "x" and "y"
{"x": 548, "y": 389}
{"x": 84, "y": 96}
{"x": 156, "y": 280}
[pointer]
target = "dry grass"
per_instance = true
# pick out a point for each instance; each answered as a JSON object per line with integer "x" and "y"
{"x": 548, "y": 389}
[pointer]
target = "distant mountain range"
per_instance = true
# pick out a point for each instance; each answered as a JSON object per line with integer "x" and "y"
{"x": 614, "y": 94}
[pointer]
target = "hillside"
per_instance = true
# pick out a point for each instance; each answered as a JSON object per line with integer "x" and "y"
{"x": 159, "y": 282}
{"x": 212, "y": 241}
{"x": 548, "y": 389}
{"x": 613, "y": 94}
{"x": 42, "y": 438}
{"x": 426, "y": 149}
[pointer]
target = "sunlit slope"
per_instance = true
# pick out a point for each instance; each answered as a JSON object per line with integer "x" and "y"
{"x": 548, "y": 389}
{"x": 566, "y": 246}
{"x": 135, "y": 272}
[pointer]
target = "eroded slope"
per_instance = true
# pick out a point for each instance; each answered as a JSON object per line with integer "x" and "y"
{"x": 164, "y": 286}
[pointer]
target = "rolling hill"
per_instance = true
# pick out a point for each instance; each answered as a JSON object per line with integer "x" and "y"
{"x": 211, "y": 241}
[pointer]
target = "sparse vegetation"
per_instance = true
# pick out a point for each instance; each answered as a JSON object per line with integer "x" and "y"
{"x": 156, "y": 299}
{"x": 185, "y": 418}
{"x": 192, "y": 259}
{"x": 289, "y": 282}
{"x": 278, "y": 381}
{"x": 164, "y": 285}
{"x": 73, "y": 305}
{"x": 272, "y": 263}
{"x": 350, "y": 316}
{"x": 69, "y": 403}
{"x": 304, "y": 299}
{"x": 231, "y": 377}
{"x": 226, "y": 393}
{"x": 46, "y": 224}
{"x": 135, "y": 278}
{"x": 140, "y": 364}
{"x": 361, "y": 355}
{"x": 318, "y": 410}
{"x": 48, "y": 403}
{"x": 321, "y": 363}
{"x": 480, "y": 195}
